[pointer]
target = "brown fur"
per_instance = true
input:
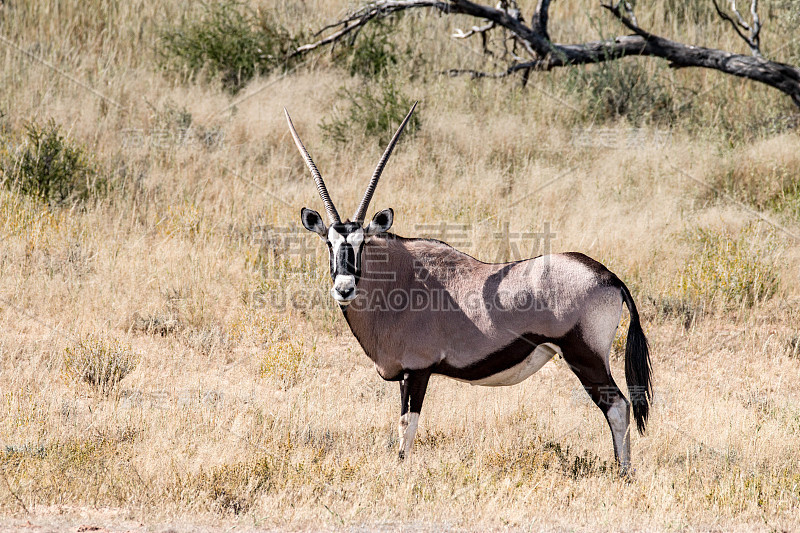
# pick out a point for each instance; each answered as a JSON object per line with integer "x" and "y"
{"x": 547, "y": 296}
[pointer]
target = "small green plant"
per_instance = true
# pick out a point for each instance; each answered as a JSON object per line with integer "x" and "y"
{"x": 372, "y": 113}
{"x": 99, "y": 362}
{"x": 677, "y": 307}
{"x": 729, "y": 271}
{"x": 173, "y": 119}
{"x": 283, "y": 361}
{"x": 157, "y": 324}
{"x": 768, "y": 178}
{"x": 234, "y": 488}
{"x": 373, "y": 53}
{"x": 538, "y": 455}
{"x": 614, "y": 89}
{"x": 786, "y": 14}
{"x": 228, "y": 40}
{"x": 47, "y": 165}
{"x": 183, "y": 219}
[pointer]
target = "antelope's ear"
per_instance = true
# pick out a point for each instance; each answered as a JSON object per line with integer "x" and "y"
{"x": 313, "y": 222}
{"x": 381, "y": 222}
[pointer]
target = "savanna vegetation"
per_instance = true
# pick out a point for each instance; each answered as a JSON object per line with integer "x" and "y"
{"x": 169, "y": 354}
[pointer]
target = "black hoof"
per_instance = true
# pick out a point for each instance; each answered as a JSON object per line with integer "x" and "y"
{"x": 401, "y": 455}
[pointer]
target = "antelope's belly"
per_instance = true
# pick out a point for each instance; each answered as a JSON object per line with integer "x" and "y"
{"x": 522, "y": 370}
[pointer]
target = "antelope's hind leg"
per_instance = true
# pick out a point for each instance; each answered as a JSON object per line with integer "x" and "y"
{"x": 593, "y": 371}
{"x": 412, "y": 393}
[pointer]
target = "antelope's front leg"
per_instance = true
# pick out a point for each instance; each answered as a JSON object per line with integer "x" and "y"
{"x": 412, "y": 393}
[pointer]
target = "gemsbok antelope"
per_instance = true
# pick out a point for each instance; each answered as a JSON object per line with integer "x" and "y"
{"x": 420, "y": 307}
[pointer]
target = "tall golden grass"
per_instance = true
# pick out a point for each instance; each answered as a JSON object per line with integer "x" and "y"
{"x": 251, "y": 404}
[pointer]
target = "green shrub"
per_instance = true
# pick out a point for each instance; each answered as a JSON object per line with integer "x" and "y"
{"x": 785, "y": 14}
{"x": 766, "y": 175}
{"x": 47, "y": 165}
{"x": 729, "y": 271}
{"x": 228, "y": 40}
{"x": 372, "y": 113}
{"x": 623, "y": 88}
{"x": 283, "y": 361}
{"x": 779, "y": 190}
{"x": 372, "y": 54}
{"x": 99, "y": 362}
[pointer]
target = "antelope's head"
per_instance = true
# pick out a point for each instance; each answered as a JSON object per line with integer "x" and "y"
{"x": 346, "y": 239}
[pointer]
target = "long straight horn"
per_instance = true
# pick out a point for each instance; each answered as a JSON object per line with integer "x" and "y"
{"x": 362, "y": 207}
{"x": 333, "y": 216}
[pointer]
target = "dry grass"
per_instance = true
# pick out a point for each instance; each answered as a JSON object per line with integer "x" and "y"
{"x": 101, "y": 363}
{"x": 252, "y": 405}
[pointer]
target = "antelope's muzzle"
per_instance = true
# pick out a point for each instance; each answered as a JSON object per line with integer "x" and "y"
{"x": 344, "y": 289}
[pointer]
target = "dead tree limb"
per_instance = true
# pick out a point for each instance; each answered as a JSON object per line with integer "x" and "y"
{"x": 545, "y": 54}
{"x": 540, "y": 16}
{"x": 740, "y": 24}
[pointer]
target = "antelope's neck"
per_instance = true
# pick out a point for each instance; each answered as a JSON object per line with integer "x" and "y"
{"x": 404, "y": 283}
{"x": 369, "y": 315}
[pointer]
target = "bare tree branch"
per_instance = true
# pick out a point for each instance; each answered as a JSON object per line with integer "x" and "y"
{"x": 476, "y": 30}
{"x": 546, "y": 54}
{"x": 461, "y": 34}
{"x": 358, "y": 19}
{"x": 540, "y": 18}
{"x": 475, "y": 74}
{"x": 510, "y": 7}
{"x": 753, "y": 41}
{"x": 513, "y": 69}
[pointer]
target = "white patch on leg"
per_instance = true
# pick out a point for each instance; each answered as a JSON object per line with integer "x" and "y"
{"x": 619, "y": 419}
{"x": 407, "y": 428}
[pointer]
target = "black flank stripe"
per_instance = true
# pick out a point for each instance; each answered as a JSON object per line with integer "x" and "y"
{"x": 506, "y": 357}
